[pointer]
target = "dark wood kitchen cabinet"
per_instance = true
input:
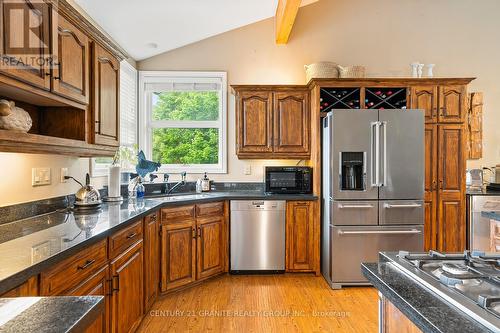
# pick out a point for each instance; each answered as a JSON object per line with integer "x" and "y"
{"x": 126, "y": 273}
{"x": 29, "y": 44}
{"x": 26, "y": 289}
{"x": 193, "y": 243}
{"x": 151, "y": 259}
{"x": 426, "y": 98}
{"x": 452, "y": 104}
{"x": 300, "y": 236}
{"x": 272, "y": 122}
{"x": 106, "y": 89}
{"x": 71, "y": 74}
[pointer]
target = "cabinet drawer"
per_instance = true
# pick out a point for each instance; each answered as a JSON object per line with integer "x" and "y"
{"x": 354, "y": 212}
{"x": 210, "y": 209}
{"x": 124, "y": 239}
{"x": 70, "y": 272}
{"x": 401, "y": 212}
{"x": 176, "y": 214}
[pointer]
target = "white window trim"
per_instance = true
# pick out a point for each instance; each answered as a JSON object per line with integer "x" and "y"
{"x": 145, "y": 123}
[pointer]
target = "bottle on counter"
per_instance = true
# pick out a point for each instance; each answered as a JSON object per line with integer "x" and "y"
{"x": 140, "y": 189}
{"x": 205, "y": 183}
{"x": 199, "y": 187}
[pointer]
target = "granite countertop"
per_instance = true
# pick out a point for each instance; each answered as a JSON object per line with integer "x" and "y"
{"x": 426, "y": 310}
{"x": 29, "y": 246}
{"x": 482, "y": 191}
{"x": 49, "y": 314}
{"x": 491, "y": 215}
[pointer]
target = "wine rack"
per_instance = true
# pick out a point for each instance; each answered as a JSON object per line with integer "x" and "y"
{"x": 385, "y": 98}
{"x": 339, "y": 98}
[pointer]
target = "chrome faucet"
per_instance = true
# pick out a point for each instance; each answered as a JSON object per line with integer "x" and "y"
{"x": 182, "y": 182}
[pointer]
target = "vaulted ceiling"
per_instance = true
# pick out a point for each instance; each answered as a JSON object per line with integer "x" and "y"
{"x": 149, "y": 27}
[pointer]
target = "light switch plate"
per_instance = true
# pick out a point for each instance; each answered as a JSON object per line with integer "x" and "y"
{"x": 248, "y": 170}
{"x": 40, "y": 176}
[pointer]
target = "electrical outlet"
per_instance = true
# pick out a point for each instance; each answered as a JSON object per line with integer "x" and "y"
{"x": 64, "y": 173}
{"x": 40, "y": 176}
{"x": 248, "y": 170}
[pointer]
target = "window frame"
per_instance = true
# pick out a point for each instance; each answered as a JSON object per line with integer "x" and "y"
{"x": 146, "y": 124}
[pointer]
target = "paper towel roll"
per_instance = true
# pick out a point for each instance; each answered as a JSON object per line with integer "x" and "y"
{"x": 114, "y": 181}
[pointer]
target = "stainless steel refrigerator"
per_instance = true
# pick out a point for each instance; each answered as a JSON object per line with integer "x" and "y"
{"x": 373, "y": 189}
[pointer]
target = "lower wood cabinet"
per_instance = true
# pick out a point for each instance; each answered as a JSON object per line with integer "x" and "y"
{"x": 27, "y": 289}
{"x": 300, "y": 236}
{"x": 127, "y": 306}
{"x": 393, "y": 320}
{"x": 192, "y": 248}
{"x": 151, "y": 259}
{"x": 96, "y": 285}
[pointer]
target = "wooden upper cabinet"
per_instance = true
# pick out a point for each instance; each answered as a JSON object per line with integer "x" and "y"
{"x": 210, "y": 246}
{"x": 452, "y": 104}
{"x": 254, "y": 123}
{"x": 426, "y": 98}
{"x": 291, "y": 122}
{"x": 451, "y": 191}
{"x": 26, "y": 37}
{"x": 127, "y": 305}
{"x": 300, "y": 236}
{"x": 178, "y": 254}
{"x": 106, "y": 89}
{"x": 71, "y": 74}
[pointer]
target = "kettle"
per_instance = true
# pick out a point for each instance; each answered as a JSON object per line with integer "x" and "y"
{"x": 87, "y": 195}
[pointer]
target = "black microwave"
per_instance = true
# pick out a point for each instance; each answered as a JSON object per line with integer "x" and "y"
{"x": 289, "y": 180}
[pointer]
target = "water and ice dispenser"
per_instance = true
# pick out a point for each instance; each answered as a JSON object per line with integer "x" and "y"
{"x": 352, "y": 171}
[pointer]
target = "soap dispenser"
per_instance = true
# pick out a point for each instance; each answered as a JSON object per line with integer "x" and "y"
{"x": 205, "y": 183}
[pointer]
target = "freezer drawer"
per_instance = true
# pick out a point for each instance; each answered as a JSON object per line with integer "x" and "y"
{"x": 397, "y": 212}
{"x": 354, "y": 212}
{"x": 355, "y": 245}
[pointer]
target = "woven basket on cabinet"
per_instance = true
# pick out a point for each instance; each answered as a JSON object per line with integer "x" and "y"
{"x": 323, "y": 69}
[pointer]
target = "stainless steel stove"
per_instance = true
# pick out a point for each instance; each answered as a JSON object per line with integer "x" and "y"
{"x": 469, "y": 281}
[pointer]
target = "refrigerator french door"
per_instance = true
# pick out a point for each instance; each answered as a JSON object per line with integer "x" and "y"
{"x": 373, "y": 188}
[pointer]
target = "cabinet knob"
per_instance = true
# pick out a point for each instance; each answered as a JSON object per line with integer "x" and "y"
{"x": 193, "y": 230}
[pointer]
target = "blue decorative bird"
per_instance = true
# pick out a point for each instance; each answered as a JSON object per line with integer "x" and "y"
{"x": 144, "y": 166}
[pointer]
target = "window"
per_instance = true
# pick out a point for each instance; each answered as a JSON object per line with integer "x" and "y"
{"x": 128, "y": 117}
{"x": 183, "y": 120}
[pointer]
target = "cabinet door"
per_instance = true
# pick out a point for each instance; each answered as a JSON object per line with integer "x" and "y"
{"x": 25, "y": 45}
{"x": 27, "y": 289}
{"x": 299, "y": 236}
{"x": 71, "y": 75}
{"x": 254, "y": 123}
{"x": 127, "y": 304}
{"x": 451, "y": 193}
{"x": 106, "y": 114}
{"x": 426, "y": 98}
{"x": 151, "y": 259}
{"x": 210, "y": 246}
{"x": 178, "y": 255}
{"x": 291, "y": 123}
{"x": 430, "y": 194}
{"x": 96, "y": 286}
{"x": 452, "y": 104}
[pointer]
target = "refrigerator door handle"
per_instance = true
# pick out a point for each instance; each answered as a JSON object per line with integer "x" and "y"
{"x": 341, "y": 206}
{"x": 402, "y": 206}
{"x": 383, "y": 124}
{"x": 387, "y": 232}
{"x": 375, "y": 147}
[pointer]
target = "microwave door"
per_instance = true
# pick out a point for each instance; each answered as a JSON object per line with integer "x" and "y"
{"x": 402, "y": 154}
{"x": 352, "y": 154}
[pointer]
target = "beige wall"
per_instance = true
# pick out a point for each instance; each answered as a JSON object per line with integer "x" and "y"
{"x": 459, "y": 36}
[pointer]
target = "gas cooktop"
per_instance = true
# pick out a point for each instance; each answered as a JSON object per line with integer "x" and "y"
{"x": 469, "y": 281}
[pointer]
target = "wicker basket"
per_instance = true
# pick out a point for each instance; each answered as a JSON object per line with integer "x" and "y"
{"x": 323, "y": 69}
{"x": 351, "y": 71}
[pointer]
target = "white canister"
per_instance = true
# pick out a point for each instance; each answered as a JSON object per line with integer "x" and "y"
{"x": 114, "y": 181}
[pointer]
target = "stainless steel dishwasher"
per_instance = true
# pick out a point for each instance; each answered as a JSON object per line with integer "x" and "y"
{"x": 257, "y": 236}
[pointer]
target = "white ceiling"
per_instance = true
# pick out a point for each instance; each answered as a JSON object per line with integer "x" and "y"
{"x": 145, "y": 28}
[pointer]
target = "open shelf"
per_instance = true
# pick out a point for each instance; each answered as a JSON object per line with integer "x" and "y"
{"x": 19, "y": 142}
{"x": 339, "y": 98}
{"x": 385, "y": 98}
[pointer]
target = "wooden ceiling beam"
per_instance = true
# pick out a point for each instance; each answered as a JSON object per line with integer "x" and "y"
{"x": 285, "y": 18}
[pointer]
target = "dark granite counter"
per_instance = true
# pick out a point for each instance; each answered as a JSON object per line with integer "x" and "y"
{"x": 49, "y": 314}
{"x": 426, "y": 310}
{"x": 483, "y": 191}
{"x": 491, "y": 215}
{"x": 29, "y": 246}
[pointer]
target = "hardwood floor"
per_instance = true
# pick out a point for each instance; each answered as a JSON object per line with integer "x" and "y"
{"x": 287, "y": 303}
